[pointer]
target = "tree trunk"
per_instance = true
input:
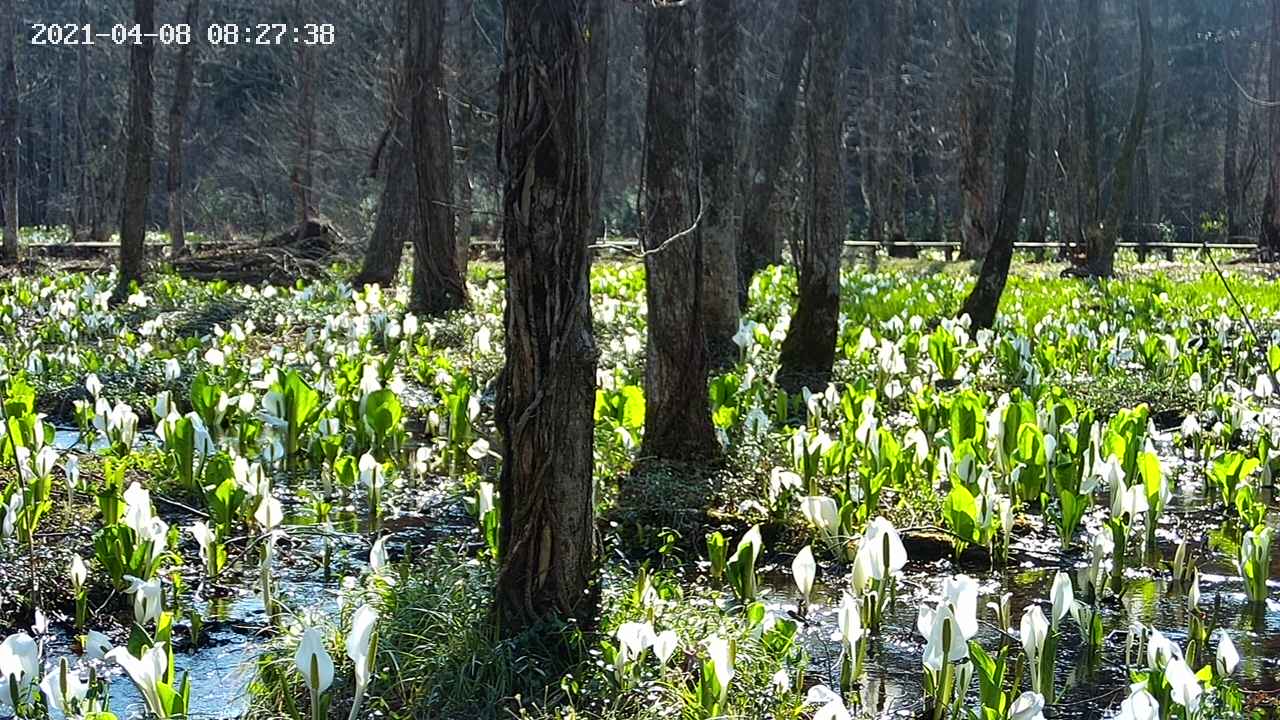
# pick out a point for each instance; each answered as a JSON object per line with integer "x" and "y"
{"x": 1269, "y": 247}
{"x": 677, "y": 409}
{"x": 140, "y": 141}
{"x": 184, "y": 76}
{"x": 466, "y": 136}
{"x": 808, "y": 352}
{"x": 718, "y": 122}
{"x": 438, "y": 282}
{"x": 1236, "y": 217}
{"x": 599, "y": 32}
{"x": 301, "y": 178}
{"x": 983, "y": 302}
{"x": 1092, "y": 10}
{"x": 398, "y": 221}
{"x": 977, "y": 111}
{"x": 9, "y": 130}
{"x": 896, "y": 172}
{"x": 547, "y": 389}
{"x": 759, "y": 245}
{"x": 1102, "y": 245}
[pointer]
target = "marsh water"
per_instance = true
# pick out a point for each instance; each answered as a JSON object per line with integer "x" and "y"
{"x": 237, "y": 629}
{"x": 1089, "y": 687}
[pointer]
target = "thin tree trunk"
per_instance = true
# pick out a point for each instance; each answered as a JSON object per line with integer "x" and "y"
{"x": 895, "y": 175}
{"x": 1092, "y": 11}
{"x": 177, "y": 122}
{"x": 677, "y": 409}
{"x": 759, "y": 244}
{"x": 547, "y": 389}
{"x": 1102, "y": 249}
{"x": 983, "y": 302}
{"x": 465, "y": 136}
{"x": 140, "y": 142}
{"x": 1270, "y": 239}
{"x": 398, "y": 222}
{"x": 302, "y": 177}
{"x": 599, "y": 33}
{"x": 718, "y": 121}
{"x": 808, "y": 352}
{"x": 977, "y": 176}
{"x": 438, "y": 282}
{"x": 9, "y": 129}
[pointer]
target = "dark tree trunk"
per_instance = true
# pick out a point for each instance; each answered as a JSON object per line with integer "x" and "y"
{"x": 438, "y": 282}
{"x": 398, "y": 222}
{"x": 9, "y": 129}
{"x": 808, "y": 352}
{"x": 547, "y": 389}
{"x": 177, "y": 123}
{"x": 718, "y": 127}
{"x": 977, "y": 176}
{"x": 1102, "y": 244}
{"x": 138, "y": 151}
{"x": 599, "y": 32}
{"x": 1270, "y": 239}
{"x": 759, "y": 245}
{"x": 677, "y": 409}
{"x": 983, "y": 302}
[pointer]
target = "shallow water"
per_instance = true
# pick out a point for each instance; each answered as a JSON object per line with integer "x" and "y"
{"x": 892, "y": 685}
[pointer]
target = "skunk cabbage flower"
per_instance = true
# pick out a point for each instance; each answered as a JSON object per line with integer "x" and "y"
{"x": 1227, "y": 659}
{"x": 803, "y": 569}
{"x": 664, "y": 645}
{"x": 1183, "y": 683}
{"x": 1063, "y": 598}
{"x": 19, "y": 666}
{"x": 1140, "y": 705}
{"x": 1028, "y": 706}
{"x": 147, "y": 599}
{"x": 63, "y": 688}
{"x": 634, "y": 638}
{"x": 880, "y": 554}
{"x": 79, "y": 572}
{"x": 1033, "y": 631}
{"x": 314, "y": 662}
{"x": 359, "y": 644}
{"x": 146, "y": 673}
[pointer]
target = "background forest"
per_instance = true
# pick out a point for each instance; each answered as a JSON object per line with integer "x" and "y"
{"x": 926, "y": 88}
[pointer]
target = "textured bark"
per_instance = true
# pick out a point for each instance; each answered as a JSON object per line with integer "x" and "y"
{"x": 140, "y": 141}
{"x": 9, "y": 129}
{"x": 599, "y": 32}
{"x": 984, "y": 300}
{"x": 808, "y": 352}
{"x": 760, "y": 244}
{"x": 547, "y": 389}
{"x": 718, "y": 121}
{"x": 1102, "y": 243}
{"x": 1269, "y": 242}
{"x": 977, "y": 176}
{"x": 438, "y": 281}
{"x": 1092, "y": 12}
{"x": 184, "y": 74}
{"x": 677, "y": 409}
